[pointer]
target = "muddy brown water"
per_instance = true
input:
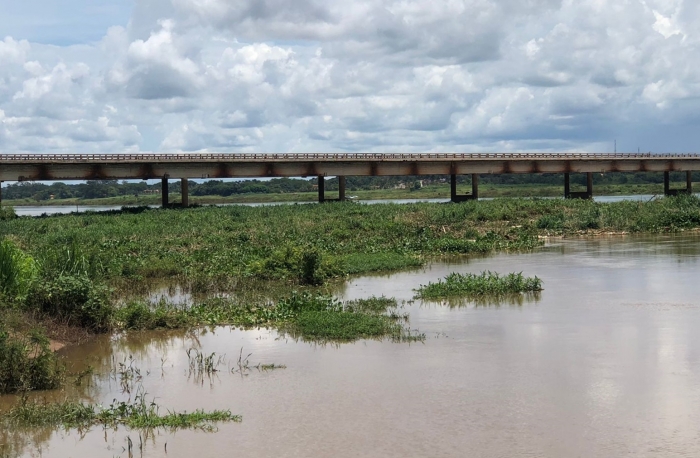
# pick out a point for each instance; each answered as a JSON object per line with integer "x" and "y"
{"x": 606, "y": 362}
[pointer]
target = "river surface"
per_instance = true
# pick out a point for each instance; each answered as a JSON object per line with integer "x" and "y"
{"x": 38, "y": 210}
{"x": 605, "y": 363}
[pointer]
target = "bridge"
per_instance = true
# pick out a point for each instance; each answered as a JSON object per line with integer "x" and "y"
{"x": 184, "y": 166}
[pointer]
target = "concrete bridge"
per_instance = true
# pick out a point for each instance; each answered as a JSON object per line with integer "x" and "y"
{"x": 37, "y": 167}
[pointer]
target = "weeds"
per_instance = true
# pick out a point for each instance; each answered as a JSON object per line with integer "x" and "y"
{"x": 138, "y": 414}
{"x": 201, "y": 365}
{"x": 27, "y": 363}
{"x": 18, "y": 271}
{"x": 479, "y": 285}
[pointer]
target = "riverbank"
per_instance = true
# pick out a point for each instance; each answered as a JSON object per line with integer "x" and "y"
{"x": 427, "y": 192}
{"x": 243, "y": 264}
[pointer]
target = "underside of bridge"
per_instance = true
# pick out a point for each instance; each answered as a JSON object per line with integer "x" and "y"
{"x": 39, "y": 167}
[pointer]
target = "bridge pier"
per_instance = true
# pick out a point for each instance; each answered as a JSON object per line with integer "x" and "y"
{"x": 341, "y": 189}
{"x": 674, "y": 192}
{"x": 164, "y": 192}
{"x": 453, "y": 189}
{"x": 587, "y": 194}
{"x": 321, "y": 189}
{"x": 185, "y": 191}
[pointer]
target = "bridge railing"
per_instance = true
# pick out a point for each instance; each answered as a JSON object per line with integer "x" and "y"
{"x": 292, "y": 157}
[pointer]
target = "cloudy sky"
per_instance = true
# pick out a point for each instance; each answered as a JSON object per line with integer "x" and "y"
{"x": 337, "y": 75}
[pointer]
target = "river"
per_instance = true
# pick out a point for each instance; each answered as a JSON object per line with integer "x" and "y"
{"x": 605, "y": 363}
{"x": 38, "y": 210}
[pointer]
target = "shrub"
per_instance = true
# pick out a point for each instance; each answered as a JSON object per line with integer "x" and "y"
{"x": 7, "y": 213}
{"x": 75, "y": 299}
{"x": 27, "y": 363}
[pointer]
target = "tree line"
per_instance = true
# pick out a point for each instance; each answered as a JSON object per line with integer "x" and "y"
{"x": 96, "y": 189}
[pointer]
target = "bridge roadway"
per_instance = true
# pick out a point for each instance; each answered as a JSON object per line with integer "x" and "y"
{"x": 37, "y": 167}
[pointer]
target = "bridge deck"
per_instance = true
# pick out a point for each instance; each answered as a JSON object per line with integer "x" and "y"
{"x": 35, "y": 167}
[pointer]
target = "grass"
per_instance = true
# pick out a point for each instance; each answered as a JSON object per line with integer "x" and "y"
{"x": 26, "y": 361}
{"x": 18, "y": 271}
{"x": 138, "y": 414}
{"x": 479, "y": 285}
{"x": 311, "y": 316}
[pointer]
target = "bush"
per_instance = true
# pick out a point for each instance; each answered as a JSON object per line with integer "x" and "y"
{"x": 7, "y": 213}
{"x": 27, "y": 363}
{"x": 142, "y": 316}
{"x": 306, "y": 266}
{"x": 75, "y": 299}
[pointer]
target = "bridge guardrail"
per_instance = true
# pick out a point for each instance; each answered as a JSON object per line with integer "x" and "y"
{"x": 293, "y": 157}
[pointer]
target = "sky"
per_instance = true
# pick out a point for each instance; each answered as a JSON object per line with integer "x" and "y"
{"x": 115, "y": 76}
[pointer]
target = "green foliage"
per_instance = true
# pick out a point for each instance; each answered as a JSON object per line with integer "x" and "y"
{"x": 7, "y": 213}
{"x": 344, "y": 326}
{"x": 302, "y": 314}
{"x": 138, "y": 414}
{"x": 27, "y": 363}
{"x": 475, "y": 285}
{"x": 75, "y": 299}
{"x": 18, "y": 271}
{"x": 306, "y": 266}
{"x": 140, "y": 316}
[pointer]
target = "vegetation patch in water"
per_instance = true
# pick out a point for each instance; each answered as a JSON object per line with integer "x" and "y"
{"x": 479, "y": 285}
{"x": 308, "y": 315}
{"x": 138, "y": 415}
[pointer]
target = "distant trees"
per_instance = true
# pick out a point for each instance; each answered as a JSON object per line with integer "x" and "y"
{"x": 111, "y": 188}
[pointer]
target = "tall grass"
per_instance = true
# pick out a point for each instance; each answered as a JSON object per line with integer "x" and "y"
{"x": 18, "y": 271}
{"x": 476, "y": 285}
{"x": 27, "y": 362}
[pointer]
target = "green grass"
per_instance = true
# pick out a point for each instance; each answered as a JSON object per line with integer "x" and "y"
{"x": 26, "y": 361}
{"x": 311, "y": 316}
{"x": 86, "y": 262}
{"x": 479, "y": 285}
{"x": 18, "y": 271}
{"x": 136, "y": 415}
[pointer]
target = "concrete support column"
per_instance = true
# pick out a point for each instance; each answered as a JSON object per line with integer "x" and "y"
{"x": 475, "y": 186}
{"x": 667, "y": 184}
{"x": 185, "y": 187}
{"x": 567, "y": 186}
{"x": 341, "y": 189}
{"x": 321, "y": 189}
{"x": 453, "y": 188}
{"x": 689, "y": 182}
{"x": 0, "y": 193}
{"x": 164, "y": 191}
{"x": 589, "y": 184}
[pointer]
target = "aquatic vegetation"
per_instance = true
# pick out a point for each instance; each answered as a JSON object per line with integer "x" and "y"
{"x": 303, "y": 314}
{"x": 27, "y": 362}
{"x": 479, "y": 285}
{"x": 138, "y": 414}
